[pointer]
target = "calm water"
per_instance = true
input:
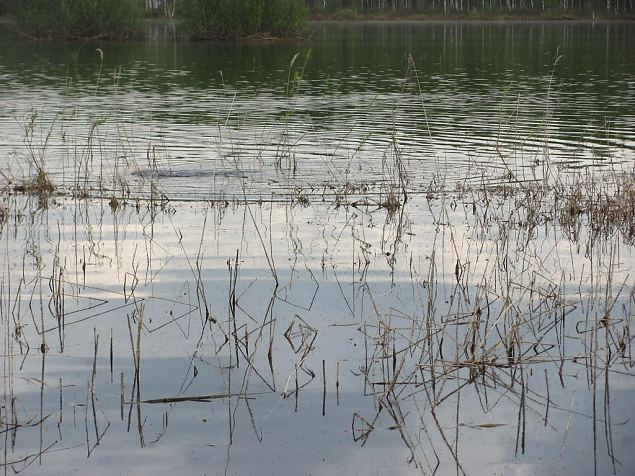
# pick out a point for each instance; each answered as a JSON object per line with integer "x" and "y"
{"x": 318, "y": 331}
{"x": 484, "y": 97}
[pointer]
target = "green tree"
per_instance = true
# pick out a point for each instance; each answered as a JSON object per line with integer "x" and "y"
{"x": 78, "y": 18}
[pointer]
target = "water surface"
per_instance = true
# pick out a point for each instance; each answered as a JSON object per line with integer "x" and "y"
{"x": 391, "y": 248}
{"x": 460, "y": 100}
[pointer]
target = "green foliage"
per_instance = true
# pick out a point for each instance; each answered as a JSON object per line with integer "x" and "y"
{"x": 78, "y": 18}
{"x": 236, "y": 18}
{"x": 35, "y": 17}
{"x": 197, "y": 15}
{"x": 285, "y": 17}
{"x": 252, "y": 15}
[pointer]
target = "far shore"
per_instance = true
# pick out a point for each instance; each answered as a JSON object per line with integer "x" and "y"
{"x": 349, "y": 16}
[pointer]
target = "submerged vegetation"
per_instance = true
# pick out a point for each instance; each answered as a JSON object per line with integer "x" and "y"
{"x": 172, "y": 311}
{"x": 504, "y": 292}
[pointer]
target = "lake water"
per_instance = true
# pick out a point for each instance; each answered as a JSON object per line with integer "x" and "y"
{"x": 473, "y": 100}
{"x": 391, "y": 248}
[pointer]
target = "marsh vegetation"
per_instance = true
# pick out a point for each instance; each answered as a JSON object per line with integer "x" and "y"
{"x": 78, "y": 18}
{"x": 230, "y": 19}
{"x": 202, "y": 19}
{"x": 304, "y": 274}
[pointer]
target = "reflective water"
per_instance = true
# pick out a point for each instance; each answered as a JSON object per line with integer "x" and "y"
{"x": 384, "y": 255}
{"x": 467, "y": 99}
{"x": 391, "y": 344}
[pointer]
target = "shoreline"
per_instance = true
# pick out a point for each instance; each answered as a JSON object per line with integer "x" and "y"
{"x": 334, "y": 19}
{"x": 474, "y": 18}
{"x": 420, "y": 18}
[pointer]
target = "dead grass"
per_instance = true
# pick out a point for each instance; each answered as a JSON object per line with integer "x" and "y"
{"x": 40, "y": 185}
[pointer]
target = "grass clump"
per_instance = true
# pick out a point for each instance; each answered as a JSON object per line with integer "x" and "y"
{"x": 40, "y": 185}
{"x": 231, "y": 19}
{"x": 78, "y": 18}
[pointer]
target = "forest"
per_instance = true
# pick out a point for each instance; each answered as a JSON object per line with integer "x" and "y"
{"x": 267, "y": 19}
{"x": 476, "y": 7}
{"x": 171, "y": 8}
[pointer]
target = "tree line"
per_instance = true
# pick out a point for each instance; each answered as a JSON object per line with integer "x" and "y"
{"x": 613, "y": 7}
{"x": 228, "y": 19}
{"x": 222, "y": 19}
